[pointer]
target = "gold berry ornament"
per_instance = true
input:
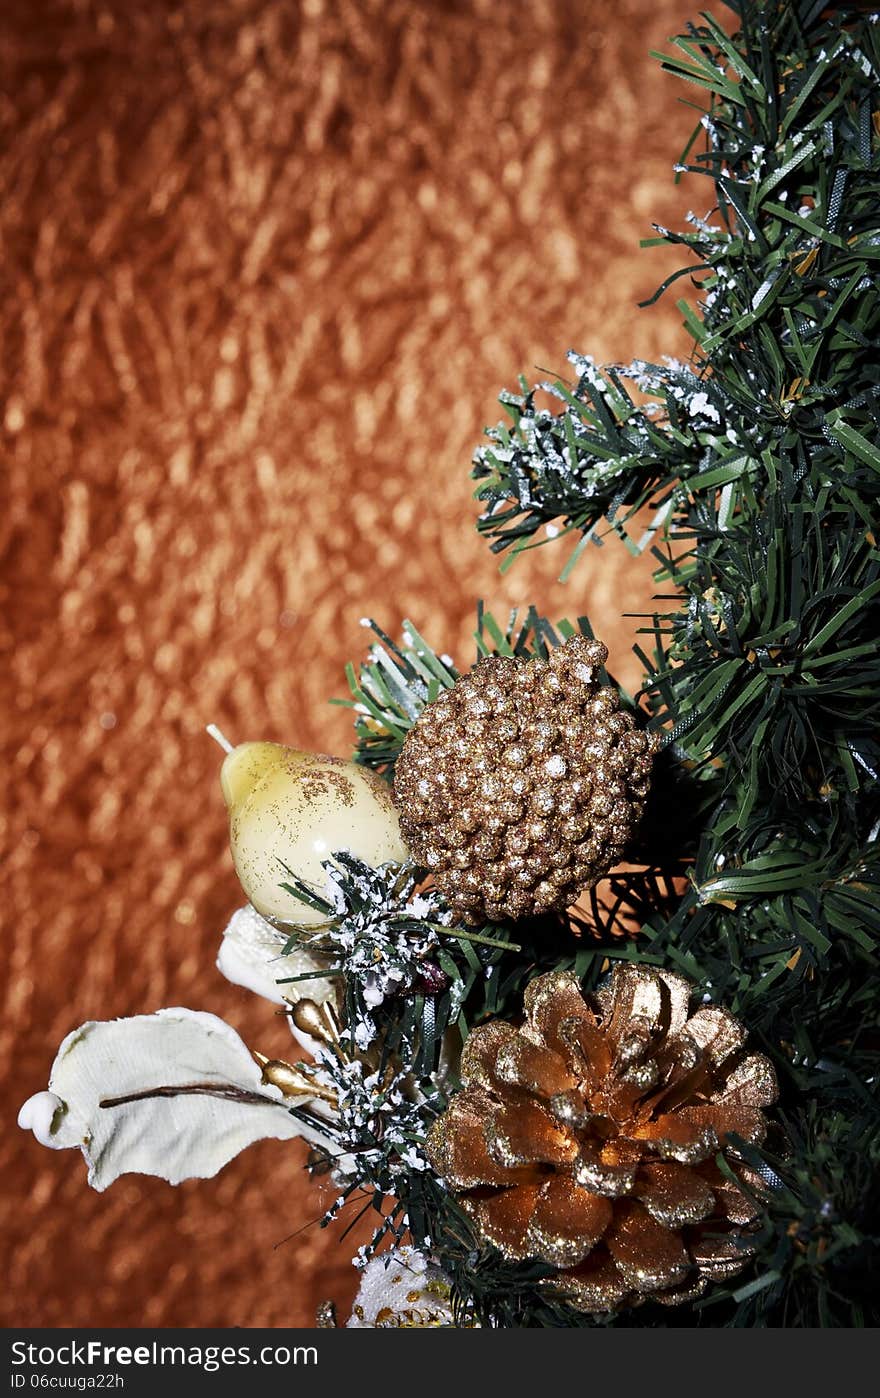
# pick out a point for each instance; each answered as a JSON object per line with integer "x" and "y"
{"x": 521, "y": 786}
{"x": 290, "y": 810}
{"x": 587, "y": 1138}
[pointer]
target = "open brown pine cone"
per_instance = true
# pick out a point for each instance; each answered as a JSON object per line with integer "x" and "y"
{"x": 588, "y": 1137}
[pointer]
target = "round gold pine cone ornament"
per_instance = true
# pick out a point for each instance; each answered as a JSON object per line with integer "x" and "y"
{"x": 588, "y": 1138}
{"x": 521, "y": 786}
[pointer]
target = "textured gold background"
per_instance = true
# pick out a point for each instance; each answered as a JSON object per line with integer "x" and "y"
{"x": 265, "y": 267}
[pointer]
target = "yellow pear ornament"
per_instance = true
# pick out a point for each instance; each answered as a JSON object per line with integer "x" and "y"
{"x": 291, "y": 810}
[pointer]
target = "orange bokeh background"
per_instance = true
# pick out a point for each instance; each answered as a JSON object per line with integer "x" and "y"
{"x": 266, "y": 267}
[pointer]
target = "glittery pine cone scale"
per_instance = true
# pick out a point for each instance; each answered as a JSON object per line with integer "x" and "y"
{"x": 588, "y": 1138}
{"x": 520, "y": 786}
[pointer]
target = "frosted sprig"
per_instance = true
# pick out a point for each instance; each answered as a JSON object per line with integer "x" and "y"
{"x": 378, "y": 1132}
{"x": 379, "y": 935}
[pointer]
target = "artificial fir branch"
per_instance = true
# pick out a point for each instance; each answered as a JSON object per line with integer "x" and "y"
{"x": 752, "y": 473}
{"x": 785, "y": 336}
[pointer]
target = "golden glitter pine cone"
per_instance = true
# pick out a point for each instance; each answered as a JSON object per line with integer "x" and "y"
{"x": 587, "y": 1138}
{"x": 521, "y": 786}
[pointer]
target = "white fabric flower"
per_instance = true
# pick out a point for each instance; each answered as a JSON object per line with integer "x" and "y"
{"x": 251, "y": 955}
{"x": 174, "y": 1094}
{"x": 402, "y": 1289}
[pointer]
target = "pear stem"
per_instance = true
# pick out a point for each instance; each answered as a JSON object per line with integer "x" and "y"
{"x": 219, "y": 737}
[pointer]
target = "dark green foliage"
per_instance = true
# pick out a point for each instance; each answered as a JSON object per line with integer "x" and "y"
{"x": 755, "y": 471}
{"x": 777, "y": 645}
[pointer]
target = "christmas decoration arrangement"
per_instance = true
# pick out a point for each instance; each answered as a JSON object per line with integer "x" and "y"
{"x": 582, "y": 984}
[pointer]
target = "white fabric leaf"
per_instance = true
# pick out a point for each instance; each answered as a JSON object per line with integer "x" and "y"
{"x": 251, "y": 955}
{"x": 177, "y": 1135}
